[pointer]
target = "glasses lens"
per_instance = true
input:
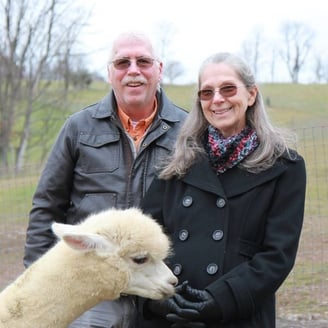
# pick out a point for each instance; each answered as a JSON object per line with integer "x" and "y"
{"x": 228, "y": 90}
{"x": 122, "y": 63}
{"x": 145, "y": 62}
{"x": 206, "y": 94}
{"x": 225, "y": 91}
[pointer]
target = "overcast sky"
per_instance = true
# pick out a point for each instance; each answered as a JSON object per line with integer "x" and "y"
{"x": 201, "y": 27}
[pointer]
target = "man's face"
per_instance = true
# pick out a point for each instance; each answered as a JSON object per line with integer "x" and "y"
{"x": 134, "y": 74}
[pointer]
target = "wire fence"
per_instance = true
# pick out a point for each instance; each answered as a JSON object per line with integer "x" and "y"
{"x": 305, "y": 293}
{"x": 303, "y": 296}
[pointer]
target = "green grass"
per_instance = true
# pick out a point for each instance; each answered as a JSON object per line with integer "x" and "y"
{"x": 295, "y": 105}
{"x": 16, "y": 197}
{"x": 181, "y": 95}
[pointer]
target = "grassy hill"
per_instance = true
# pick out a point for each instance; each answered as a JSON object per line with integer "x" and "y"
{"x": 297, "y": 105}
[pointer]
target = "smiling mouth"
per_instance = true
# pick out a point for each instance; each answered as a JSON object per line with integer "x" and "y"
{"x": 221, "y": 111}
{"x": 134, "y": 84}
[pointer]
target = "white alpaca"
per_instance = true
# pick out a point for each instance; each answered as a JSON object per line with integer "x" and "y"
{"x": 111, "y": 253}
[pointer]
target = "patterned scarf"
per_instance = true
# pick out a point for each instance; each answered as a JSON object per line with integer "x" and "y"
{"x": 224, "y": 153}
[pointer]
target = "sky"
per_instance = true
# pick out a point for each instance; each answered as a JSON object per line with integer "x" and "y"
{"x": 200, "y": 28}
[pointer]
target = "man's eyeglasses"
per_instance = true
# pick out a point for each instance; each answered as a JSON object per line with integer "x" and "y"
{"x": 125, "y": 63}
{"x": 225, "y": 91}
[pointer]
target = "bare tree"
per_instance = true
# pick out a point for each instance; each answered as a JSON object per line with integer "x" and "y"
{"x": 320, "y": 69}
{"x": 251, "y": 49}
{"x": 273, "y": 64}
{"x": 172, "y": 68}
{"x": 297, "y": 44}
{"x": 32, "y": 39}
{"x": 165, "y": 34}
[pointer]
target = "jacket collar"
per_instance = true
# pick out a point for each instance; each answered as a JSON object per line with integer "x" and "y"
{"x": 237, "y": 181}
{"x": 107, "y": 107}
{"x": 202, "y": 176}
{"x": 232, "y": 182}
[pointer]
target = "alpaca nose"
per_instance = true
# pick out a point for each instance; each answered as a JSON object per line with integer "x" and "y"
{"x": 174, "y": 281}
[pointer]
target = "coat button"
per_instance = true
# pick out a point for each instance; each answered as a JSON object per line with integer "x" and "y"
{"x": 217, "y": 235}
{"x": 220, "y": 202}
{"x": 177, "y": 269}
{"x": 165, "y": 127}
{"x": 187, "y": 201}
{"x": 212, "y": 269}
{"x": 183, "y": 234}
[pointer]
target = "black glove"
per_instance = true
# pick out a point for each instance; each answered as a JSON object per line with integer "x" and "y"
{"x": 170, "y": 310}
{"x": 162, "y": 307}
{"x": 189, "y": 324}
{"x": 169, "y": 305}
{"x": 185, "y": 319}
{"x": 200, "y": 304}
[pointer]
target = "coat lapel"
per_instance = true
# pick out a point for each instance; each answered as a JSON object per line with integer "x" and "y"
{"x": 237, "y": 181}
{"x": 203, "y": 177}
{"x": 231, "y": 183}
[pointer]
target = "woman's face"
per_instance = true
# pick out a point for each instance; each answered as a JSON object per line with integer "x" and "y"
{"x": 224, "y": 98}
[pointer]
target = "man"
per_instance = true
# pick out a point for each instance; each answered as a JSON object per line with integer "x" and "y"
{"x": 105, "y": 156}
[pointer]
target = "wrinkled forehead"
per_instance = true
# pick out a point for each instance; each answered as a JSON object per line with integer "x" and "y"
{"x": 132, "y": 47}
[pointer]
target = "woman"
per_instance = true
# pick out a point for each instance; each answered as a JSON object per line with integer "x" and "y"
{"x": 231, "y": 198}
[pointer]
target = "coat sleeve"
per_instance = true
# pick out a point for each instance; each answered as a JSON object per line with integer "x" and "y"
{"x": 241, "y": 291}
{"x": 52, "y": 197}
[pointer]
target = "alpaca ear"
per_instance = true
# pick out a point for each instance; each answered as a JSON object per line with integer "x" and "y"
{"x": 88, "y": 242}
{"x": 82, "y": 241}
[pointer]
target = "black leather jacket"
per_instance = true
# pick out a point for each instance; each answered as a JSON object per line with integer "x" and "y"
{"x": 93, "y": 166}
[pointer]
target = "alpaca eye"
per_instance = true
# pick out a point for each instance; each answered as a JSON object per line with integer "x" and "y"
{"x": 140, "y": 259}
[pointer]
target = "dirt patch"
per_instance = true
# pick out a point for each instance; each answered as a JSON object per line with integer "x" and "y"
{"x": 12, "y": 241}
{"x": 302, "y": 323}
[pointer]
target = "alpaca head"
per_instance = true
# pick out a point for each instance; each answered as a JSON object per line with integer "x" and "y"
{"x": 131, "y": 239}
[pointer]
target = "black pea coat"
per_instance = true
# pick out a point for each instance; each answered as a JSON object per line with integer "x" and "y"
{"x": 235, "y": 235}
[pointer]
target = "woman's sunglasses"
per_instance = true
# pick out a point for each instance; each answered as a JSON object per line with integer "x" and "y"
{"x": 225, "y": 91}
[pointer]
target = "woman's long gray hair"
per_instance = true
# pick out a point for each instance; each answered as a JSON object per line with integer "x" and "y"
{"x": 189, "y": 145}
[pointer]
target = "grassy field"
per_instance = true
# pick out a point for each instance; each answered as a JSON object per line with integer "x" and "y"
{"x": 300, "y": 107}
